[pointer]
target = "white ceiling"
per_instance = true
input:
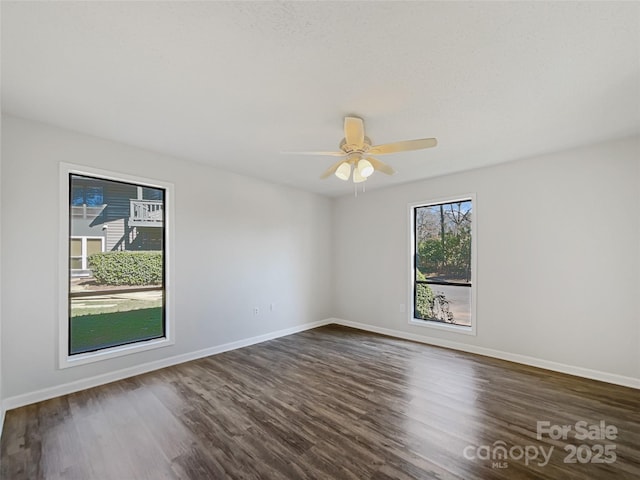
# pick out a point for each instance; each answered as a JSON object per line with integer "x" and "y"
{"x": 233, "y": 84}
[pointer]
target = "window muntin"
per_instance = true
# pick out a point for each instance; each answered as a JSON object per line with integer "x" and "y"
{"x": 442, "y": 262}
{"x": 119, "y": 306}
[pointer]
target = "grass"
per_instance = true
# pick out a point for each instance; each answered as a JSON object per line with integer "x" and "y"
{"x": 92, "y": 332}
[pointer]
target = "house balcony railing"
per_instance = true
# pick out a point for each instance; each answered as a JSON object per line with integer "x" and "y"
{"x": 146, "y": 213}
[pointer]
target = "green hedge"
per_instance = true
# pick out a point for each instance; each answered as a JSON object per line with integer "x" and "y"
{"x": 127, "y": 268}
{"x": 424, "y": 298}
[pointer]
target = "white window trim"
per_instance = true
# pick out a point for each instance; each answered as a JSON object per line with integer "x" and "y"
{"x": 472, "y": 330}
{"x": 64, "y": 359}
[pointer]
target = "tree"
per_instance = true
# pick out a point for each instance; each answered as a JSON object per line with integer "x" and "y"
{"x": 443, "y": 237}
{"x": 431, "y": 255}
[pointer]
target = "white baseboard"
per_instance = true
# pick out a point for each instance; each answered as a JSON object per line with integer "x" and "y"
{"x": 59, "y": 390}
{"x": 512, "y": 357}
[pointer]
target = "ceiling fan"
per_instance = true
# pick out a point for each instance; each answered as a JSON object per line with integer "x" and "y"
{"x": 358, "y": 151}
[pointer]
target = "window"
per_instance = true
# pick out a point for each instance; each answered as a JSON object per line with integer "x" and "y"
{"x": 443, "y": 270}
{"x": 79, "y": 250}
{"x": 115, "y": 283}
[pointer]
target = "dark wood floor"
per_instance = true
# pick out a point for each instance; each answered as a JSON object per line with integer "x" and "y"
{"x": 330, "y": 403}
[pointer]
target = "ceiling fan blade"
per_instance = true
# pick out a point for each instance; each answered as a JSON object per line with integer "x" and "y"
{"x": 405, "y": 146}
{"x": 325, "y": 154}
{"x": 380, "y": 166}
{"x": 332, "y": 169}
{"x": 354, "y": 131}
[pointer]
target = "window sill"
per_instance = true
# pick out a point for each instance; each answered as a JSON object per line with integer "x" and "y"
{"x": 471, "y": 330}
{"x": 90, "y": 357}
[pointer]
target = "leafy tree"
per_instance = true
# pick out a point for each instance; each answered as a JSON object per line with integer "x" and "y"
{"x": 444, "y": 240}
{"x": 431, "y": 255}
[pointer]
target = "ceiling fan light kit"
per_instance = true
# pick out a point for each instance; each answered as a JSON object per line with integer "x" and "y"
{"x": 357, "y": 177}
{"x": 356, "y": 145}
{"x": 365, "y": 168}
{"x": 344, "y": 171}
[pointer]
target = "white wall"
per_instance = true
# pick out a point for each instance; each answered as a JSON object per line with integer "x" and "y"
{"x": 2, "y": 411}
{"x": 239, "y": 243}
{"x": 558, "y": 257}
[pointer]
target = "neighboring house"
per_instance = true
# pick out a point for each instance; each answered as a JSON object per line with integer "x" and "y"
{"x": 112, "y": 216}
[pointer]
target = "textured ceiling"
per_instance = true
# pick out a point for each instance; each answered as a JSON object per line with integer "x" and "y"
{"x": 233, "y": 84}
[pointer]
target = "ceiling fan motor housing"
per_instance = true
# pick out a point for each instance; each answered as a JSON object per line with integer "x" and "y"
{"x": 346, "y": 148}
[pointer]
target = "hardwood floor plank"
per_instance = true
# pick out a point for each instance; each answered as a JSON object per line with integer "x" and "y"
{"x": 62, "y": 451}
{"x": 116, "y": 442}
{"x": 326, "y": 403}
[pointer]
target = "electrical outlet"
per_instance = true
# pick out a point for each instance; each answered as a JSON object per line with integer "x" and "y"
{"x": 256, "y": 310}
{"x": 272, "y": 307}
{"x": 403, "y": 308}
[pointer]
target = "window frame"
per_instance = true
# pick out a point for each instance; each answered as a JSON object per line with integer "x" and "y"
{"x": 463, "y": 329}
{"x": 65, "y": 359}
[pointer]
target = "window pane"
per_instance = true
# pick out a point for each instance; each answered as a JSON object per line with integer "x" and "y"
{"x": 94, "y": 245}
{"x": 76, "y": 247}
{"x": 443, "y": 241}
{"x": 108, "y": 320}
{"x": 443, "y": 303}
{"x": 121, "y": 300}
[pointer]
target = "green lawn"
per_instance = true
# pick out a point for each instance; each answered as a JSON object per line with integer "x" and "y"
{"x": 91, "y": 332}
